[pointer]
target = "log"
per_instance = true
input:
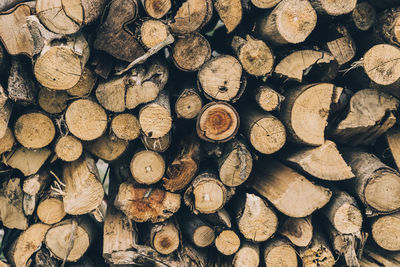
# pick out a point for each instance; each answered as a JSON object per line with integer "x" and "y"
{"x": 373, "y": 257}
{"x": 265, "y": 3}
{"x": 227, "y": 242}
{"x": 356, "y": 128}
{"x": 86, "y": 119}
{"x": 157, "y": 8}
{"x": 125, "y": 126}
{"x": 235, "y": 164}
{"x": 69, "y": 239}
{"x": 333, "y": 8}
{"x": 264, "y": 131}
{"x": 107, "y": 147}
{"x": 190, "y": 52}
{"x": 85, "y": 84}
{"x": 363, "y": 17}
{"x": 386, "y": 26}
{"x": 164, "y": 237}
{"x": 21, "y": 87}
{"x": 256, "y": 220}
{"x": 384, "y": 229}
{"x": 393, "y": 140}
{"x": 11, "y": 209}
{"x": 290, "y": 192}
{"x": 305, "y": 112}
{"x": 220, "y": 78}
{"x": 318, "y": 253}
{"x": 254, "y": 55}
{"x": 52, "y": 101}
{"x": 324, "y": 162}
{"x": 197, "y": 231}
{"x": 217, "y": 122}
{"x": 299, "y": 231}
{"x": 279, "y": 252}
{"x": 377, "y": 185}
{"x": 189, "y": 103}
{"x": 153, "y": 32}
{"x": 147, "y": 167}
{"x": 33, "y": 188}
{"x": 27, "y": 244}
{"x": 247, "y": 256}
{"x": 267, "y": 98}
{"x": 28, "y": 161}
{"x": 343, "y": 47}
{"x": 111, "y": 94}
{"x": 68, "y": 148}
{"x": 146, "y": 204}
{"x": 230, "y": 12}
{"x": 7, "y": 141}
{"x": 50, "y": 209}
{"x": 184, "y": 166}
{"x": 157, "y": 144}
{"x": 280, "y": 28}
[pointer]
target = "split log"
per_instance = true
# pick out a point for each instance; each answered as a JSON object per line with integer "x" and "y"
{"x": 267, "y": 98}
{"x": 184, "y": 166}
{"x": 298, "y": 230}
{"x": 290, "y": 192}
{"x": 305, "y": 112}
{"x": 125, "y": 126}
{"x": 69, "y": 239}
{"x": 279, "y": 252}
{"x": 147, "y": 167}
{"x": 264, "y": 131}
{"x": 50, "y": 209}
{"x": 157, "y": 144}
{"x": 68, "y": 148}
{"x": 27, "y": 244}
{"x": 5, "y": 115}
{"x": 227, "y": 242}
{"x": 343, "y": 47}
{"x": 221, "y": 78}
{"x": 189, "y": 103}
{"x": 279, "y": 27}
{"x": 217, "y": 122}
{"x": 157, "y": 8}
{"x": 318, "y": 253}
{"x": 86, "y": 119}
{"x": 363, "y": 17}
{"x": 83, "y": 190}
{"x": 333, "y": 8}
{"x": 324, "y": 162}
{"x": 85, "y": 84}
{"x": 21, "y": 87}
{"x": 377, "y": 185}
{"x": 256, "y": 220}
{"x": 247, "y": 256}
{"x": 190, "y": 52}
{"x": 230, "y": 12}
{"x": 146, "y": 204}
{"x": 28, "y": 161}
{"x": 384, "y": 231}
{"x": 197, "y": 231}
{"x": 34, "y": 130}
{"x": 393, "y": 141}
{"x": 107, "y": 147}
{"x": 33, "y": 188}
{"x": 11, "y": 208}
{"x": 164, "y": 237}
{"x": 52, "y": 101}
{"x": 364, "y": 125}
{"x": 235, "y": 163}
{"x": 254, "y": 55}
{"x": 7, "y": 141}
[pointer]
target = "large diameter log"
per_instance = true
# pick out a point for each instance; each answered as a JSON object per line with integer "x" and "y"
{"x": 197, "y": 231}
{"x": 318, "y": 253}
{"x": 125, "y": 126}
{"x": 107, "y": 147}
{"x": 333, "y": 8}
{"x": 68, "y": 148}
{"x": 146, "y": 204}
{"x": 230, "y": 12}
{"x": 11, "y": 209}
{"x": 164, "y": 237}
{"x": 384, "y": 231}
{"x": 153, "y": 32}
{"x": 147, "y": 167}
{"x": 217, "y": 122}
{"x": 27, "y": 244}
{"x": 227, "y": 242}
{"x": 324, "y": 162}
{"x": 290, "y": 192}
{"x": 279, "y": 252}
{"x": 50, "y": 209}
{"x": 21, "y": 156}
{"x": 291, "y": 21}
{"x": 247, "y": 256}
{"x": 343, "y": 47}
{"x": 7, "y": 141}
{"x": 157, "y": 8}
{"x": 298, "y": 230}
{"x": 267, "y": 98}
{"x": 376, "y": 184}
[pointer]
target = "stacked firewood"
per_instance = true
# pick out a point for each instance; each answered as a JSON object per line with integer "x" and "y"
{"x": 226, "y": 132}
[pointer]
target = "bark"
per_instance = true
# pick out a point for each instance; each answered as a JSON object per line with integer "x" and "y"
{"x": 68, "y": 148}
{"x": 21, "y": 87}
{"x": 393, "y": 140}
{"x": 11, "y": 205}
{"x": 247, "y": 256}
{"x": 383, "y": 229}
{"x": 189, "y": 102}
{"x": 160, "y": 144}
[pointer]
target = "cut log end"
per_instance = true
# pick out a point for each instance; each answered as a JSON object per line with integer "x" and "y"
{"x": 280, "y": 253}
{"x": 384, "y": 231}
{"x": 265, "y": 3}
{"x": 147, "y": 167}
{"x": 227, "y": 242}
{"x": 363, "y": 16}
{"x": 247, "y": 256}
{"x": 267, "y": 98}
{"x": 334, "y": 8}
{"x": 85, "y": 84}
{"x": 107, "y": 147}
{"x": 381, "y": 194}
{"x": 203, "y": 236}
{"x": 153, "y": 32}
{"x": 155, "y": 120}
{"x": 125, "y": 126}
{"x": 50, "y": 210}
{"x": 68, "y": 148}
{"x": 348, "y": 219}
{"x": 7, "y": 141}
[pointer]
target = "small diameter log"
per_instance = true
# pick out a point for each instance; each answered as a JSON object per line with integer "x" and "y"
{"x": 190, "y": 52}
{"x": 290, "y": 192}
{"x": 125, "y": 126}
{"x": 27, "y": 244}
{"x": 305, "y": 112}
{"x": 189, "y": 103}
{"x": 384, "y": 231}
{"x": 254, "y": 55}
{"x": 267, "y": 98}
{"x": 356, "y": 128}
{"x": 155, "y": 118}
{"x": 221, "y": 78}
{"x": 264, "y": 131}
{"x": 333, "y": 8}
{"x": 377, "y": 185}
{"x": 324, "y": 162}
{"x": 343, "y": 47}
{"x": 318, "y": 253}
{"x": 157, "y": 8}
{"x": 230, "y": 12}
{"x": 86, "y": 119}
{"x": 291, "y": 21}
{"x": 256, "y": 220}
{"x": 83, "y": 189}
{"x": 164, "y": 237}
{"x": 247, "y": 256}
{"x": 107, "y": 147}
{"x": 298, "y": 64}
{"x": 363, "y": 16}
{"x": 393, "y": 141}
{"x": 85, "y": 84}
{"x": 70, "y": 58}
{"x": 191, "y": 16}
{"x": 146, "y": 204}
{"x": 69, "y": 239}
{"x": 157, "y": 144}
{"x": 20, "y": 158}
{"x": 153, "y": 32}
{"x": 147, "y": 167}
{"x": 343, "y": 213}
{"x": 299, "y": 231}
{"x": 50, "y": 209}
{"x": 279, "y": 252}
{"x": 184, "y": 166}
{"x": 33, "y": 188}
{"x": 217, "y": 122}
{"x": 206, "y": 194}
{"x": 52, "y": 101}
{"x": 11, "y": 208}
{"x": 68, "y": 148}
{"x": 227, "y": 242}
{"x": 235, "y": 164}
{"x": 21, "y": 87}
{"x": 197, "y": 231}
{"x": 7, "y": 141}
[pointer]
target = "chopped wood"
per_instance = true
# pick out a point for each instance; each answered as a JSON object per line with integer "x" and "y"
{"x": 198, "y": 232}
{"x": 7, "y": 141}
{"x": 107, "y": 147}
{"x": 278, "y": 251}
{"x": 153, "y": 32}
{"x": 165, "y": 237}
{"x": 11, "y": 205}
{"x": 125, "y": 126}
{"x": 28, "y": 161}
{"x": 68, "y": 148}
{"x": 333, "y": 8}
{"x": 157, "y": 8}
{"x": 267, "y": 98}
{"x": 160, "y": 144}
{"x": 189, "y": 103}
{"x": 298, "y": 230}
{"x": 85, "y": 84}
{"x": 52, "y": 101}
{"x": 247, "y": 256}
{"x": 50, "y": 209}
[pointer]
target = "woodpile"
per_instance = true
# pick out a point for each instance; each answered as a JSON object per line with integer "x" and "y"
{"x": 200, "y": 133}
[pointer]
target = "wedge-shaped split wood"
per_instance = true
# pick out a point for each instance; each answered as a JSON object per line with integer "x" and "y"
{"x": 247, "y": 256}
{"x": 278, "y": 251}
{"x": 28, "y": 161}
{"x": 230, "y": 12}
{"x": 333, "y": 8}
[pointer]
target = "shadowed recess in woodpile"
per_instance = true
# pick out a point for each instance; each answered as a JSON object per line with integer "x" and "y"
{"x": 199, "y": 133}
